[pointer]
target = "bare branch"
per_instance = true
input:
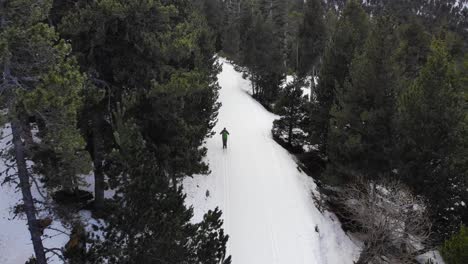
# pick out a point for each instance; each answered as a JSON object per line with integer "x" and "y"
{"x": 37, "y": 187}
{"x": 58, "y": 230}
{"x": 394, "y": 221}
{"x": 56, "y": 252}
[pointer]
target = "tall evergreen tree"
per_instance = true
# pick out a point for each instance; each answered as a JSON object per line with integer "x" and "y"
{"x": 348, "y": 37}
{"x": 214, "y": 12}
{"x": 295, "y": 19}
{"x": 291, "y": 106}
{"x": 263, "y": 58}
{"x": 432, "y": 138}
{"x": 232, "y": 36}
{"x": 413, "y": 49}
{"x": 279, "y": 16}
{"x": 266, "y": 8}
{"x": 130, "y": 53}
{"x": 41, "y": 82}
{"x": 312, "y": 36}
{"x": 361, "y": 137}
{"x": 152, "y": 224}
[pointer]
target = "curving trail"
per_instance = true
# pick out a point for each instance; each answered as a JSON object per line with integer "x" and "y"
{"x": 266, "y": 201}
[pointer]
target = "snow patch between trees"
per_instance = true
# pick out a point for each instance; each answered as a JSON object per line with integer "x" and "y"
{"x": 15, "y": 239}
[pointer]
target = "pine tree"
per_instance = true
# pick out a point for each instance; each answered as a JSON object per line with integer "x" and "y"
{"x": 455, "y": 249}
{"x": 131, "y": 54}
{"x": 152, "y": 224}
{"x": 214, "y": 12}
{"x": 232, "y": 37}
{"x": 266, "y": 8}
{"x": 279, "y": 16}
{"x": 361, "y": 129}
{"x": 291, "y": 106}
{"x": 41, "y": 82}
{"x": 312, "y": 35}
{"x": 261, "y": 54}
{"x": 246, "y": 23}
{"x": 295, "y": 19}
{"x": 413, "y": 49}
{"x": 55, "y": 103}
{"x": 432, "y": 138}
{"x": 348, "y": 37}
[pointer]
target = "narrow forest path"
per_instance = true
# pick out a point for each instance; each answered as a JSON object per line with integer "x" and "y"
{"x": 267, "y": 203}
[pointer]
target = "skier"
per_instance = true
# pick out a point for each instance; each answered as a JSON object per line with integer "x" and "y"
{"x": 224, "y": 134}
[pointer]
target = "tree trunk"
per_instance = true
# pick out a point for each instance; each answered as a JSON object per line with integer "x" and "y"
{"x": 25, "y": 187}
{"x": 297, "y": 57}
{"x": 290, "y": 134}
{"x": 253, "y": 84}
{"x": 99, "y": 183}
{"x": 312, "y": 83}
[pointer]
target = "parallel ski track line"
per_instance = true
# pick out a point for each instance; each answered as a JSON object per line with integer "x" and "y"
{"x": 226, "y": 212}
{"x": 272, "y": 231}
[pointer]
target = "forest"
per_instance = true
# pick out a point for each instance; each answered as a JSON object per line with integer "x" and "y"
{"x": 372, "y": 100}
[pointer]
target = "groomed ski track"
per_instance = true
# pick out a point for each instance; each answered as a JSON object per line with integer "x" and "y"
{"x": 267, "y": 203}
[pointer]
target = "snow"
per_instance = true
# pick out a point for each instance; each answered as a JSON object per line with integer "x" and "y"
{"x": 306, "y": 90}
{"x": 266, "y": 200}
{"x": 15, "y": 240}
{"x": 431, "y": 255}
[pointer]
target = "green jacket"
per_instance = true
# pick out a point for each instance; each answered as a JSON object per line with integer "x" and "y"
{"x": 225, "y": 134}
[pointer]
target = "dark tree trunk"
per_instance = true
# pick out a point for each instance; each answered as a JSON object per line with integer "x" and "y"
{"x": 99, "y": 183}
{"x": 252, "y": 80}
{"x": 25, "y": 187}
{"x": 290, "y": 132}
{"x": 312, "y": 83}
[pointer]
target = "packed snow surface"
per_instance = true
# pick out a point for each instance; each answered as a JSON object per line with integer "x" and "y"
{"x": 266, "y": 200}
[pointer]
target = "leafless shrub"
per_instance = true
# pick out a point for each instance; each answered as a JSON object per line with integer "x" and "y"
{"x": 394, "y": 221}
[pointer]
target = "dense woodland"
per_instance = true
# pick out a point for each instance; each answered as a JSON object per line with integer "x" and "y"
{"x": 128, "y": 90}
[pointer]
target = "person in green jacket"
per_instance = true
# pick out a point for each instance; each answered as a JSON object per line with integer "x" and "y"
{"x": 224, "y": 134}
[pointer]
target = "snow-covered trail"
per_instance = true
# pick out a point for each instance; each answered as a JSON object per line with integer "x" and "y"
{"x": 266, "y": 201}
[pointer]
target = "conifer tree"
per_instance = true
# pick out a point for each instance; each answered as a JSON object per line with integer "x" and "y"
{"x": 214, "y": 12}
{"x": 432, "y": 138}
{"x": 291, "y": 106}
{"x": 361, "y": 129}
{"x": 312, "y": 35}
{"x": 261, "y": 54}
{"x": 41, "y": 82}
{"x": 413, "y": 49}
{"x": 279, "y": 16}
{"x": 131, "y": 53}
{"x": 295, "y": 19}
{"x": 348, "y": 38}
{"x": 454, "y": 249}
{"x": 266, "y": 8}
{"x": 152, "y": 224}
{"x": 232, "y": 37}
